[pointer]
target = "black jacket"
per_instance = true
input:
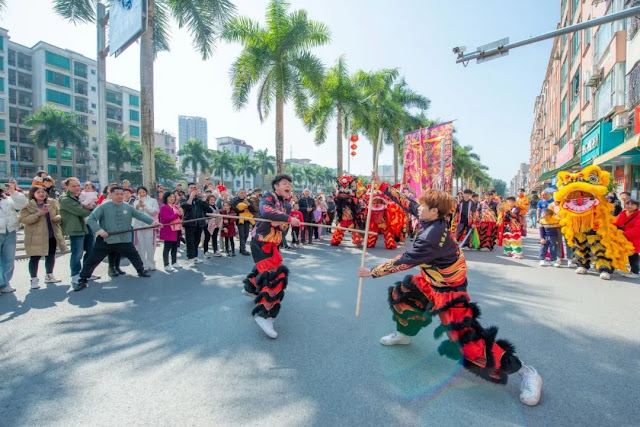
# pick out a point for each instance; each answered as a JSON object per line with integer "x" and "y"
{"x": 197, "y": 209}
{"x": 304, "y": 203}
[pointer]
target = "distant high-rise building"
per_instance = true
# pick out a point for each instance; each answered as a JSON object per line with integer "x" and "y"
{"x": 191, "y": 128}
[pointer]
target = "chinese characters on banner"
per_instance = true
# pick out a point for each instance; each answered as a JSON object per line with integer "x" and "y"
{"x": 428, "y": 159}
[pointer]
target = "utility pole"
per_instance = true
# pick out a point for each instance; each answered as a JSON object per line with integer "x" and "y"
{"x": 502, "y": 47}
{"x": 103, "y": 51}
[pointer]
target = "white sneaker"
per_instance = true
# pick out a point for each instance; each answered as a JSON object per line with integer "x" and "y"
{"x": 34, "y": 283}
{"x": 557, "y": 264}
{"x": 7, "y": 289}
{"x": 267, "y": 326}
{"x": 531, "y": 385}
{"x": 605, "y": 276}
{"x": 518, "y": 256}
{"x": 571, "y": 264}
{"x": 176, "y": 265}
{"x": 630, "y": 275}
{"x": 75, "y": 279}
{"x": 543, "y": 263}
{"x": 169, "y": 269}
{"x": 191, "y": 263}
{"x": 581, "y": 270}
{"x": 50, "y": 278}
{"x": 198, "y": 261}
{"x": 394, "y": 338}
{"x": 207, "y": 255}
{"x": 217, "y": 254}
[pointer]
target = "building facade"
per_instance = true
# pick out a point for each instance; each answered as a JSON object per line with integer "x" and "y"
{"x": 236, "y": 146}
{"x": 190, "y": 127}
{"x": 587, "y": 112}
{"x": 166, "y": 142}
{"x": 521, "y": 180}
{"x": 30, "y": 78}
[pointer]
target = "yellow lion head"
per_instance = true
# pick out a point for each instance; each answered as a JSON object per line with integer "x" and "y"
{"x": 582, "y": 192}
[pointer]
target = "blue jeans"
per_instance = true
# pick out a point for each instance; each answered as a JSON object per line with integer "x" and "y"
{"x": 532, "y": 218}
{"x": 7, "y": 257}
{"x": 80, "y": 245}
{"x": 551, "y": 245}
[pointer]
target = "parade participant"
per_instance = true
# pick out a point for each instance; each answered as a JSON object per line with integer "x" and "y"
{"x": 441, "y": 289}
{"x": 268, "y": 279}
{"x": 110, "y": 217}
{"x": 487, "y": 222}
{"x": 465, "y": 211}
{"x": 509, "y": 226}
{"x": 522, "y": 202}
{"x": 347, "y": 210}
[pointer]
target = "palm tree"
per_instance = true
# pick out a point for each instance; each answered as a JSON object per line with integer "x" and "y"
{"x": 244, "y": 166}
{"x": 297, "y": 173}
{"x": 336, "y": 97}
{"x": 309, "y": 176}
{"x": 53, "y": 125}
{"x": 221, "y": 163}
{"x": 203, "y": 18}
{"x": 118, "y": 152}
{"x": 276, "y": 59}
{"x": 196, "y": 155}
{"x": 265, "y": 164}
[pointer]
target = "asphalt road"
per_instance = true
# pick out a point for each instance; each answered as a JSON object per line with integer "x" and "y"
{"x": 182, "y": 349}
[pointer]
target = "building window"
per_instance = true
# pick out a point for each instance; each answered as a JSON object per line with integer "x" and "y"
{"x": 81, "y": 87}
{"x": 93, "y": 88}
{"x": 134, "y": 100}
{"x": 114, "y": 97}
{"x": 562, "y": 142}
{"x": 1, "y": 43}
{"x": 93, "y": 72}
{"x": 563, "y": 73}
{"x": 134, "y": 115}
{"x": 58, "y": 79}
{"x": 67, "y": 171}
{"x": 134, "y": 130}
{"x": 563, "y": 7}
{"x": 66, "y": 154}
{"x": 1, "y": 63}
{"x": 1, "y": 84}
{"x": 575, "y": 127}
{"x": 3, "y": 146}
{"x": 587, "y": 94}
{"x": 93, "y": 105}
{"x": 51, "y": 152}
{"x": 563, "y": 110}
{"x": 52, "y": 169}
{"x": 81, "y": 105}
{"x": 80, "y": 69}
{"x": 603, "y": 98}
{"x": 587, "y": 34}
{"x": 93, "y": 122}
{"x": 58, "y": 97}
{"x": 3, "y": 168}
{"x": 574, "y": 8}
{"x": 2, "y": 126}
{"x": 575, "y": 88}
{"x": 575, "y": 46}
{"x": 58, "y": 61}
{"x": 2, "y": 106}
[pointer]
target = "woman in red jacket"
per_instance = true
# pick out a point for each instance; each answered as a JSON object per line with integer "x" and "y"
{"x": 629, "y": 222}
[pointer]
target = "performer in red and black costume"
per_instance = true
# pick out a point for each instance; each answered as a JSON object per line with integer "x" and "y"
{"x": 348, "y": 210}
{"x": 441, "y": 289}
{"x": 268, "y": 279}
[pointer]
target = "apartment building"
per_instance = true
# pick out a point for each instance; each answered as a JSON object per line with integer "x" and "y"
{"x": 31, "y": 77}
{"x": 521, "y": 180}
{"x": 166, "y": 142}
{"x": 236, "y": 146}
{"x": 190, "y": 127}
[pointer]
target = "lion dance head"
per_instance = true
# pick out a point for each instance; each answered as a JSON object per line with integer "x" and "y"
{"x": 584, "y": 208}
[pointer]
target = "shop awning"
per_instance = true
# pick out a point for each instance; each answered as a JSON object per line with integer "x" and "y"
{"x": 629, "y": 148}
{"x": 575, "y": 161}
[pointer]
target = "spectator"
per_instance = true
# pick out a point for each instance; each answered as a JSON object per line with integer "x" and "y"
{"x": 145, "y": 240}
{"x": 295, "y": 231}
{"x": 126, "y": 185}
{"x": 11, "y": 201}
{"x": 207, "y": 183}
{"x": 533, "y": 206}
{"x": 544, "y": 203}
{"x": 156, "y": 193}
{"x": 88, "y": 196}
{"x": 212, "y": 229}
{"x": 50, "y": 188}
{"x": 549, "y": 237}
{"x": 42, "y": 233}
{"x": 111, "y": 217}
{"x": 241, "y": 205}
{"x": 625, "y": 196}
{"x": 220, "y": 187}
{"x": 228, "y": 229}
{"x": 170, "y": 215}
{"x": 331, "y": 209}
{"x": 317, "y": 219}
{"x": 14, "y": 184}
{"x": 179, "y": 187}
{"x": 307, "y": 206}
{"x": 629, "y": 222}
{"x": 617, "y": 206}
{"x": 104, "y": 196}
{"x": 73, "y": 214}
{"x": 129, "y": 198}
{"x": 160, "y": 197}
{"x": 38, "y": 179}
{"x": 194, "y": 208}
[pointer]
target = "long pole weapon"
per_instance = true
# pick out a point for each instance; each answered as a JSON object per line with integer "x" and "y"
{"x": 366, "y": 227}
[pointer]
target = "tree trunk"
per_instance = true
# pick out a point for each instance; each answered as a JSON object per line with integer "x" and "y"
{"x": 146, "y": 101}
{"x": 396, "y": 148}
{"x": 340, "y": 150}
{"x": 279, "y": 134}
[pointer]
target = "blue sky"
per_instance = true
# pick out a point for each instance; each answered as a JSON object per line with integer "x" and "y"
{"x": 492, "y": 102}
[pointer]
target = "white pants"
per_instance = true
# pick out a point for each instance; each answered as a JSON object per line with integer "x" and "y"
{"x": 146, "y": 248}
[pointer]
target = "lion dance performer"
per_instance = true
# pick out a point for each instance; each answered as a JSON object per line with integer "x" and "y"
{"x": 510, "y": 229}
{"x": 441, "y": 289}
{"x": 268, "y": 279}
{"x": 587, "y": 222}
{"x": 522, "y": 202}
{"x": 487, "y": 222}
{"x": 347, "y": 209}
{"x": 387, "y": 218}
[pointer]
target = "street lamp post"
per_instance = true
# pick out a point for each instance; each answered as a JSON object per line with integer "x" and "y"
{"x": 15, "y": 163}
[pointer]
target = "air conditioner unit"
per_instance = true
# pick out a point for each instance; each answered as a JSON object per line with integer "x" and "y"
{"x": 620, "y": 121}
{"x": 586, "y": 126}
{"x": 596, "y": 77}
{"x": 553, "y": 159}
{"x": 587, "y": 76}
{"x": 576, "y": 135}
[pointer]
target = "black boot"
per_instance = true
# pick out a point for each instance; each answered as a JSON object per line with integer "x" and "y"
{"x": 143, "y": 273}
{"x": 113, "y": 272}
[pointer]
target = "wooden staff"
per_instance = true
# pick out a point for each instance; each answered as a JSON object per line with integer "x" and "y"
{"x": 153, "y": 226}
{"x": 366, "y": 226}
{"x": 307, "y": 224}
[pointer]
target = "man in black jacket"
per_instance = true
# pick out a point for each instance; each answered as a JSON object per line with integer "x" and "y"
{"x": 243, "y": 225}
{"x": 307, "y": 205}
{"x": 194, "y": 207}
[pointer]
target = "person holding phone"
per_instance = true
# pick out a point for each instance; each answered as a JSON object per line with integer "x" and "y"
{"x": 11, "y": 201}
{"x": 42, "y": 233}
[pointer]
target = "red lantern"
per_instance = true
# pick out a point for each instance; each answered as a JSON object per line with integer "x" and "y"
{"x": 354, "y": 138}
{"x": 353, "y": 153}
{"x": 354, "y": 146}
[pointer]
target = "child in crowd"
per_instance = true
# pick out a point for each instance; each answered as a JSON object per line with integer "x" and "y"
{"x": 88, "y": 196}
{"x": 213, "y": 228}
{"x": 318, "y": 219}
{"x": 228, "y": 229}
{"x": 295, "y": 231}
{"x": 549, "y": 238}
{"x": 629, "y": 222}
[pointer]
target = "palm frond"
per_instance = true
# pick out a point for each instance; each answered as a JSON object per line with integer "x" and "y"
{"x": 161, "y": 27}
{"x": 76, "y": 11}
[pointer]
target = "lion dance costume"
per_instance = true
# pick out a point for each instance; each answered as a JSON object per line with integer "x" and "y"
{"x": 441, "y": 289}
{"x": 268, "y": 279}
{"x": 487, "y": 224}
{"x": 387, "y": 218}
{"x": 587, "y": 223}
{"x": 510, "y": 230}
{"x": 347, "y": 209}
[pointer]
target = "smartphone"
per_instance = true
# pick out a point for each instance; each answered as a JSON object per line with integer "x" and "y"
{"x": 46, "y": 206}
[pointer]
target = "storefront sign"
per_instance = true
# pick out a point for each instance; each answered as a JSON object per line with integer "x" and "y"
{"x": 591, "y": 145}
{"x": 636, "y": 120}
{"x": 565, "y": 154}
{"x": 618, "y": 175}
